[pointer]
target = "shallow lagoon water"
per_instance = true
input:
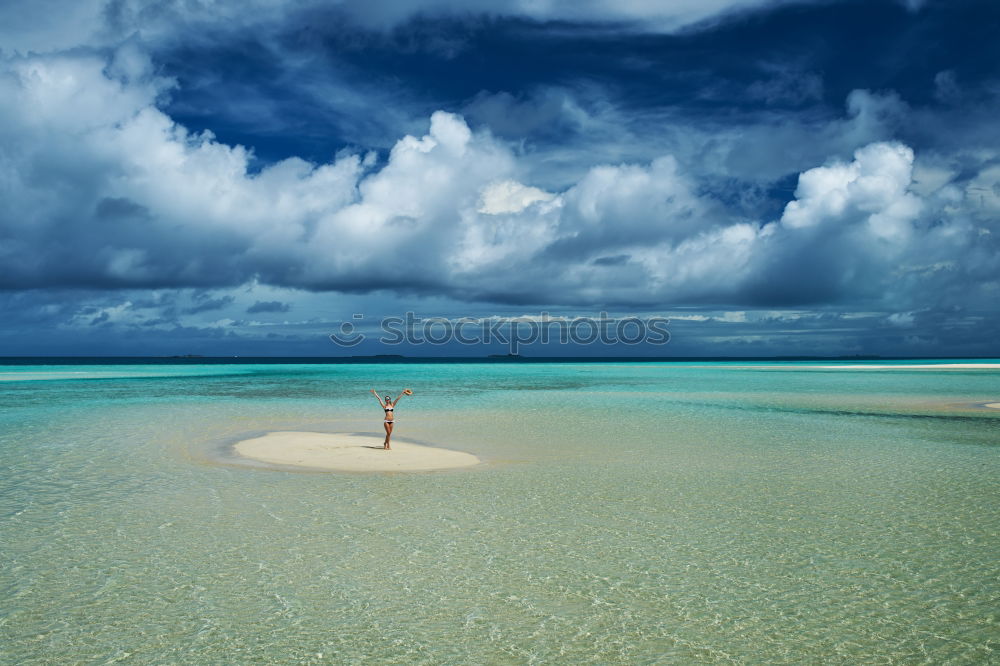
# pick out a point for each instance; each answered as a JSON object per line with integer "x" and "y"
{"x": 626, "y": 513}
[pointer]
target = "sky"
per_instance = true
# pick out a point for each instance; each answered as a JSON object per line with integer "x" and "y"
{"x": 775, "y": 177}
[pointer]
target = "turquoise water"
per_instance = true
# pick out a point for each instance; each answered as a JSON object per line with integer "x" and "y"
{"x": 626, "y": 513}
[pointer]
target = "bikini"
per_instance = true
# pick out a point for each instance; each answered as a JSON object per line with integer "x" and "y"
{"x": 388, "y": 410}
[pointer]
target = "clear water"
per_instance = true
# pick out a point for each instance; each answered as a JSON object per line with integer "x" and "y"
{"x": 627, "y": 513}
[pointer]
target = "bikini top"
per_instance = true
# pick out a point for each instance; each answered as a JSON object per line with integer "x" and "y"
{"x": 388, "y": 409}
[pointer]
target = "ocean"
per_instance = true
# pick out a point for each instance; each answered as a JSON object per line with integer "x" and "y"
{"x": 625, "y": 512}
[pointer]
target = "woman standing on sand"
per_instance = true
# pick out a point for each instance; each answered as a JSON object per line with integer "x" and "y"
{"x": 389, "y": 405}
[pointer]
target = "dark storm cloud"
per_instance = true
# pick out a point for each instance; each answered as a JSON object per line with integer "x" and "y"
{"x": 309, "y": 79}
{"x": 616, "y": 260}
{"x": 268, "y": 306}
{"x": 205, "y": 303}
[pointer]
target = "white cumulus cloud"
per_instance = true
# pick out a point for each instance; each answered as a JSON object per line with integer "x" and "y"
{"x": 873, "y": 188}
{"x": 103, "y": 189}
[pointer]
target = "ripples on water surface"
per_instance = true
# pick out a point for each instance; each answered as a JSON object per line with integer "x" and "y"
{"x": 629, "y": 513}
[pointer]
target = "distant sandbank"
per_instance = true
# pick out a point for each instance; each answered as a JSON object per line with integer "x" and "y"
{"x": 874, "y": 366}
{"x": 346, "y": 452}
{"x": 915, "y": 366}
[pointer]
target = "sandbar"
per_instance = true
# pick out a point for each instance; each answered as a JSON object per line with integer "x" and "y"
{"x": 992, "y": 405}
{"x": 915, "y": 366}
{"x": 349, "y": 452}
{"x": 868, "y": 366}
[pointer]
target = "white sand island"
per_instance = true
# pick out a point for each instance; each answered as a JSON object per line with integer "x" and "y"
{"x": 992, "y": 405}
{"x": 870, "y": 366}
{"x": 346, "y": 452}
